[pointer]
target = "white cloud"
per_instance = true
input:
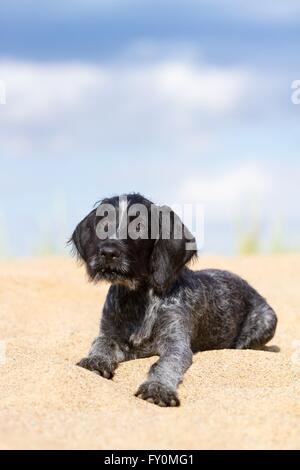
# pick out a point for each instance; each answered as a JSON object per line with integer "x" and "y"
{"x": 210, "y": 89}
{"x": 82, "y": 105}
{"x": 225, "y": 193}
{"x": 2, "y": 92}
{"x": 37, "y": 92}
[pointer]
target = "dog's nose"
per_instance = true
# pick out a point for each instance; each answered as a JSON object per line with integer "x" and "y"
{"x": 110, "y": 252}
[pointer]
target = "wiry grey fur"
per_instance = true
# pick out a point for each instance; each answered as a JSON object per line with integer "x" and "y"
{"x": 195, "y": 311}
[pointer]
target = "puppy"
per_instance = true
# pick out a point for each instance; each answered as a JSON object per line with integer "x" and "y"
{"x": 155, "y": 304}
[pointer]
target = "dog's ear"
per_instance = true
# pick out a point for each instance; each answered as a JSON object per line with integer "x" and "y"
{"x": 83, "y": 236}
{"x": 174, "y": 247}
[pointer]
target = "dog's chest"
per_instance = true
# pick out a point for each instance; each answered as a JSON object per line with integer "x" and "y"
{"x": 134, "y": 318}
{"x": 142, "y": 331}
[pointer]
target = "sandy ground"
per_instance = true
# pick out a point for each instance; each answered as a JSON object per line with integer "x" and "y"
{"x": 230, "y": 399}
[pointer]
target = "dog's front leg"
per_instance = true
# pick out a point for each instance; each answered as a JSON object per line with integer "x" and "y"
{"x": 103, "y": 358}
{"x": 166, "y": 374}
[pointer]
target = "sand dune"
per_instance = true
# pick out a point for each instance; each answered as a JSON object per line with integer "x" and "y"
{"x": 230, "y": 399}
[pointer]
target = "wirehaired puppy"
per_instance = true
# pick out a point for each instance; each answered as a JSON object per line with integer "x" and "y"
{"x": 156, "y": 305}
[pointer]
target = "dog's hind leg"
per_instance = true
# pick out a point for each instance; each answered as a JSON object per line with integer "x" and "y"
{"x": 259, "y": 326}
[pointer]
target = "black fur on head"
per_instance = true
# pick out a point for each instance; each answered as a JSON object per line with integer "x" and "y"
{"x": 154, "y": 257}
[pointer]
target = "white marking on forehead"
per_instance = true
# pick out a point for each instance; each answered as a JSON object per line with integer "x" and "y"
{"x": 122, "y": 215}
{"x": 122, "y": 208}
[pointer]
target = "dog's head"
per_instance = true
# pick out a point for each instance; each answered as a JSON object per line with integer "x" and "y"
{"x": 128, "y": 240}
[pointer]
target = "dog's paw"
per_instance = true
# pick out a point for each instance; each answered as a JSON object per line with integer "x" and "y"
{"x": 158, "y": 393}
{"x": 99, "y": 365}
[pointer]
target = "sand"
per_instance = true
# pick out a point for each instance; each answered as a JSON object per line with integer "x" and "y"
{"x": 229, "y": 399}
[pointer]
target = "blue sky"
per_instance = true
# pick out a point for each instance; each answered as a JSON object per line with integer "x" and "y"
{"x": 185, "y": 101}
